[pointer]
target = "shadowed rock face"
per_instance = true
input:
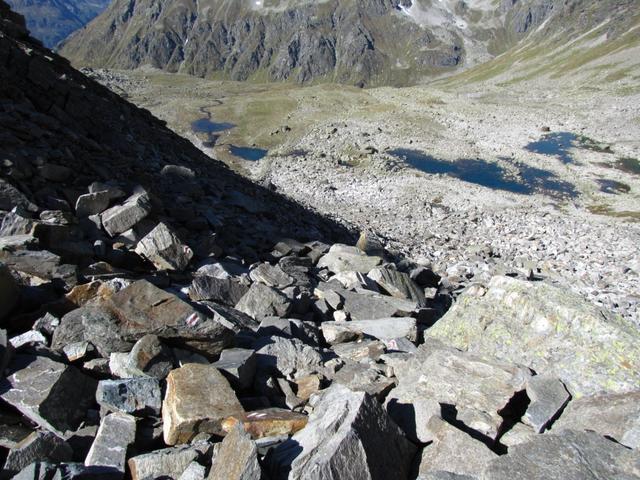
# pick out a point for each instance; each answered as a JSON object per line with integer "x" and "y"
{"x": 53, "y": 20}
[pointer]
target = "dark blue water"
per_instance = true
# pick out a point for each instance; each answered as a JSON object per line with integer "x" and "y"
{"x": 205, "y": 125}
{"x": 488, "y": 174}
{"x": 555, "y": 144}
{"x": 613, "y": 187}
{"x": 248, "y": 153}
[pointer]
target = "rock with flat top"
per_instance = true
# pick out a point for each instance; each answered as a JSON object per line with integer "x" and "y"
{"x": 341, "y": 258}
{"x": 238, "y": 365}
{"x": 145, "y": 309}
{"x": 381, "y": 328}
{"x": 53, "y": 395}
{"x": 287, "y": 357}
{"x": 477, "y": 387}
{"x": 263, "y": 301}
{"x": 454, "y": 451}
{"x": 271, "y": 276}
{"x": 120, "y": 218}
{"x": 198, "y": 399}
{"x": 165, "y": 463}
{"x": 136, "y": 396}
{"x": 162, "y": 247}
{"x": 228, "y": 291}
{"x": 92, "y": 203}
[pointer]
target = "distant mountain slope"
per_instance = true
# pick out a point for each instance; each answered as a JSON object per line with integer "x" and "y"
{"x": 361, "y": 42}
{"x": 51, "y": 21}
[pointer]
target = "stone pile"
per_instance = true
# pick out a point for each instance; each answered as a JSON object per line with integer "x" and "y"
{"x": 146, "y": 338}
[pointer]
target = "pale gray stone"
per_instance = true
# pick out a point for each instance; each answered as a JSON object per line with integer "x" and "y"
{"x": 270, "y": 276}
{"x": 165, "y": 463}
{"x": 163, "y": 248}
{"x": 238, "y": 365}
{"x": 109, "y": 449}
{"x": 568, "y": 455}
{"x": 398, "y": 284}
{"x": 616, "y": 416}
{"x": 307, "y": 332}
{"x": 548, "y": 396}
{"x": 120, "y": 218}
{"x": 288, "y": 357}
{"x": 262, "y": 301}
{"x": 92, "y": 203}
{"x": 454, "y": 451}
{"x": 381, "y": 328}
{"x": 341, "y": 258}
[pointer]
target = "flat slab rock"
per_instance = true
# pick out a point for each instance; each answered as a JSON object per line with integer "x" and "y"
{"x": 269, "y": 422}
{"x": 109, "y": 449}
{"x": 165, "y": 463}
{"x": 236, "y": 458}
{"x": 145, "y": 309}
{"x": 198, "y": 399}
{"x": 568, "y": 455}
{"x": 53, "y": 395}
{"x": 162, "y": 247}
{"x": 342, "y": 258}
{"x": 349, "y": 436}
{"x": 479, "y": 388}
{"x": 551, "y": 330}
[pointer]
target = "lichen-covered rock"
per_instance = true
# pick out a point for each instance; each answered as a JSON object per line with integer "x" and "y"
{"x": 548, "y": 329}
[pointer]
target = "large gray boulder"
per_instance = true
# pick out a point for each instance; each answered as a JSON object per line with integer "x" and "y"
{"x": 479, "y": 388}
{"x": 262, "y": 301}
{"x": 165, "y": 463}
{"x": 548, "y": 329}
{"x": 120, "y": 218}
{"x": 287, "y": 357}
{"x": 349, "y": 436}
{"x": 616, "y": 416}
{"x": 568, "y": 455}
{"x": 53, "y": 395}
{"x": 139, "y": 396}
{"x": 109, "y": 449}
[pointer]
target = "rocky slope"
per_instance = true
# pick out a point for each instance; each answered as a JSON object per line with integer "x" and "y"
{"x": 51, "y": 21}
{"x": 154, "y": 323}
{"x": 361, "y": 42}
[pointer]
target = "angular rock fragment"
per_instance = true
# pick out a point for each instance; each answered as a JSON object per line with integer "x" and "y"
{"x": 366, "y": 305}
{"x": 308, "y": 385}
{"x": 145, "y": 309}
{"x": 262, "y": 301}
{"x": 307, "y": 332}
{"x": 150, "y": 356}
{"x": 41, "y": 265}
{"x": 137, "y": 396}
{"x": 519, "y": 433}
{"x": 121, "y": 218}
{"x": 548, "y": 329}
{"x": 39, "y": 446}
{"x": 194, "y": 471}
{"x": 287, "y": 357}
{"x": 341, "y": 258}
{"x": 164, "y": 249}
{"x": 238, "y": 365}
{"x": 568, "y": 455}
{"x": 165, "y": 463}
{"x": 117, "y": 431}
{"x": 270, "y": 276}
{"x": 359, "y": 351}
{"x": 454, "y": 451}
{"x": 96, "y": 325}
{"x": 269, "y": 422}
{"x": 227, "y": 291}
{"x": 616, "y": 416}
{"x": 348, "y": 436}
{"x": 236, "y": 459}
{"x": 362, "y": 377}
{"x": 381, "y": 328}
{"x": 398, "y": 284}
{"x": 51, "y": 394}
{"x": 548, "y": 396}
{"x": 198, "y": 399}
{"x": 477, "y": 387}
{"x": 92, "y": 203}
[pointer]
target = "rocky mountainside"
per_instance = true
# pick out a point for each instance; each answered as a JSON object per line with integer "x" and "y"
{"x": 51, "y": 21}
{"x": 361, "y": 42}
{"x": 158, "y": 320}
